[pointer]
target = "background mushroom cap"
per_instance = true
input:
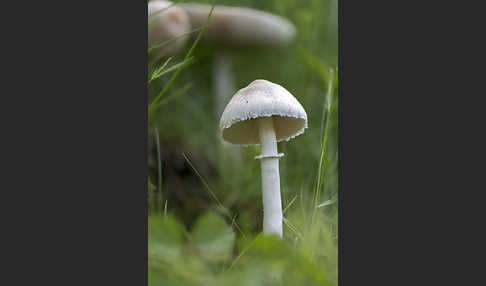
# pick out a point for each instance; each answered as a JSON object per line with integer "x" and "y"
{"x": 240, "y": 26}
{"x": 261, "y": 98}
{"x": 168, "y": 24}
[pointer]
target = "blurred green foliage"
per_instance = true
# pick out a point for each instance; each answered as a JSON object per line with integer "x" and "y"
{"x": 205, "y": 256}
{"x": 190, "y": 167}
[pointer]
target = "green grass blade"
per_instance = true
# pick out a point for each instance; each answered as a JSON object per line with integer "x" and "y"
{"x": 159, "y": 70}
{"x": 322, "y": 164}
{"x": 182, "y": 64}
{"x": 206, "y": 185}
{"x": 241, "y": 254}
{"x": 161, "y": 10}
{"x": 158, "y": 45}
{"x": 159, "y": 164}
{"x": 290, "y": 204}
{"x": 291, "y": 227}
{"x": 188, "y": 55}
{"x": 327, "y": 203}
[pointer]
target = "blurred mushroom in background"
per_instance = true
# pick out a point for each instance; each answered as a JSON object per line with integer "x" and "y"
{"x": 166, "y": 22}
{"x": 232, "y": 28}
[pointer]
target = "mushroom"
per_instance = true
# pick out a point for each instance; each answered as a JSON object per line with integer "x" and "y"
{"x": 170, "y": 22}
{"x": 236, "y": 27}
{"x": 264, "y": 113}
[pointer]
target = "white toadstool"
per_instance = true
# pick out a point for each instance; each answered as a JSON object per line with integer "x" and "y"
{"x": 169, "y": 23}
{"x": 236, "y": 27}
{"x": 265, "y": 113}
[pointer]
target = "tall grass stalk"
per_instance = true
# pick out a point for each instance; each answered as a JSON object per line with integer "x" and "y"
{"x": 226, "y": 211}
{"x": 323, "y": 160}
{"x": 159, "y": 166}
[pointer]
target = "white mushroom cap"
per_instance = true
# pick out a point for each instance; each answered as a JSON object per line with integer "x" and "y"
{"x": 239, "y": 26}
{"x": 169, "y": 23}
{"x": 261, "y": 98}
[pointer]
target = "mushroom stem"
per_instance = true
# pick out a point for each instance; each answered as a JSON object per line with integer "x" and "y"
{"x": 223, "y": 81}
{"x": 272, "y": 204}
{"x": 224, "y": 87}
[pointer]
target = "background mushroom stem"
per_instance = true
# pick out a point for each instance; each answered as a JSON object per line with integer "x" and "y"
{"x": 272, "y": 203}
{"x": 224, "y": 88}
{"x": 223, "y": 80}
